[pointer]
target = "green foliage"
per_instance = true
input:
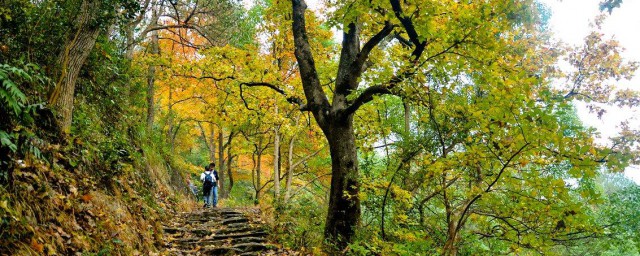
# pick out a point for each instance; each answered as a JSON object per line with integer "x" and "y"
{"x": 609, "y": 5}
{"x": 9, "y": 92}
{"x": 617, "y": 215}
{"x": 301, "y": 224}
{"x": 13, "y": 99}
{"x": 240, "y": 194}
{"x": 17, "y": 138}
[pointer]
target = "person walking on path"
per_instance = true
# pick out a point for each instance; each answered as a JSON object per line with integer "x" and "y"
{"x": 212, "y": 168}
{"x": 209, "y": 181}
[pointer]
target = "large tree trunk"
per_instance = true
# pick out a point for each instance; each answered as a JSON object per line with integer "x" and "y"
{"x": 344, "y": 204}
{"x": 70, "y": 61}
{"x": 336, "y": 118}
{"x": 151, "y": 76}
{"x": 450, "y": 248}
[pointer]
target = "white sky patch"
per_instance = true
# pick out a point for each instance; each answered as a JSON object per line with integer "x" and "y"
{"x": 570, "y": 23}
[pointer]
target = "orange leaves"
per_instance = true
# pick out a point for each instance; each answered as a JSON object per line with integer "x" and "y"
{"x": 86, "y": 198}
{"x": 38, "y": 247}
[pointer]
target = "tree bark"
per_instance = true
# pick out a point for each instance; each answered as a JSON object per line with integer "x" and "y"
{"x": 258, "y": 172}
{"x": 225, "y": 193}
{"x": 290, "y": 164}
{"x": 211, "y": 143}
{"x": 287, "y": 193}
{"x": 450, "y": 248}
{"x": 344, "y": 203}
{"x": 151, "y": 75}
{"x": 407, "y": 115}
{"x": 221, "y": 163}
{"x": 70, "y": 61}
{"x": 170, "y": 118}
{"x": 276, "y": 160}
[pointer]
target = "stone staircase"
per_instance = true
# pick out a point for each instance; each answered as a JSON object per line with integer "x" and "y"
{"x": 215, "y": 231}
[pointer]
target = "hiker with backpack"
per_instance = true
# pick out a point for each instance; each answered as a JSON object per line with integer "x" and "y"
{"x": 209, "y": 181}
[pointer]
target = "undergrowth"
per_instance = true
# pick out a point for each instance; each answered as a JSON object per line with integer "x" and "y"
{"x": 104, "y": 190}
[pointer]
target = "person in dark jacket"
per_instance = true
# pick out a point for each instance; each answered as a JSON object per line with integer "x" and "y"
{"x": 209, "y": 183}
{"x": 212, "y": 167}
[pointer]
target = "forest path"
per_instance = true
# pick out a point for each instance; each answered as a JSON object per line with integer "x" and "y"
{"x": 217, "y": 231}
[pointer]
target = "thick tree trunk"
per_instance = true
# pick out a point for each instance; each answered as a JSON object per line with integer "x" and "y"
{"x": 344, "y": 204}
{"x": 70, "y": 61}
{"x": 450, "y": 248}
{"x": 151, "y": 76}
{"x": 336, "y": 118}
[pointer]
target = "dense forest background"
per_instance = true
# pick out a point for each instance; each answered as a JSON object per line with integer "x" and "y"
{"x": 360, "y": 128}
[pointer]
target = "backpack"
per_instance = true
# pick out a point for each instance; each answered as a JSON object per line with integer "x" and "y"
{"x": 208, "y": 183}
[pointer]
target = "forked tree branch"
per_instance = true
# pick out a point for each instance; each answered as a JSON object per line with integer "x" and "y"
{"x": 407, "y": 23}
{"x": 316, "y": 97}
{"x": 358, "y": 64}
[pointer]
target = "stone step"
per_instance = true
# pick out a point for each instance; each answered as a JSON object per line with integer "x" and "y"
{"x": 237, "y": 235}
{"x": 197, "y": 231}
{"x": 220, "y": 243}
{"x": 228, "y": 210}
{"x": 239, "y": 229}
{"x": 195, "y": 240}
{"x": 246, "y": 247}
{"x": 216, "y": 231}
{"x": 238, "y": 225}
{"x": 234, "y": 220}
{"x": 221, "y": 251}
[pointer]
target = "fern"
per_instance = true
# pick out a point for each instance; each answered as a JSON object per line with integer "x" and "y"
{"x": 6, "y": 141}
{"x": 14, "y": 103}
{"x": 10, "y": 94}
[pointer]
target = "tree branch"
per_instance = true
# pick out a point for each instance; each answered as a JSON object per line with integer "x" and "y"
{"x": 411, "y": 30}
{"x": 357, "y": 67}
{"x": 316, "y": 98}
{"x": 218, "y": 79}
{"x": 290, "y": 99}
{"x": 403, "y": 41}
{"x": 366, "y": 96}
{"x": 462, "y": 218}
